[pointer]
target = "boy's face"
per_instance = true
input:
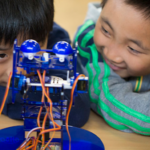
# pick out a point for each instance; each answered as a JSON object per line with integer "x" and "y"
{"x": 122, "y": 36}
{"x": 6, "y": 60}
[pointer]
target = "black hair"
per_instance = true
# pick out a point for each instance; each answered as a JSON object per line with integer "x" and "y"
{"x": 141, "y": 5}
{"x": 29, "y": 18}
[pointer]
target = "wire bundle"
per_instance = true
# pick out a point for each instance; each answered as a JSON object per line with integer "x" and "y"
{"x": 32, "y": 142}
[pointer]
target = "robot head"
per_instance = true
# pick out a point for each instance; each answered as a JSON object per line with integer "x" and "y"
{"x": 62, "y": 49}
{"x": 30, "y": 48}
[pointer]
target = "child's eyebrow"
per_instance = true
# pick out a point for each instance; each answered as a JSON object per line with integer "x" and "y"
{"x": 107, "y": 22}
{"x": 139, "y": 43}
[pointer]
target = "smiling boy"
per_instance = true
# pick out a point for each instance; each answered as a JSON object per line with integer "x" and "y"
{"x": 114, "y": 51}
{"x": 122, "y": 38}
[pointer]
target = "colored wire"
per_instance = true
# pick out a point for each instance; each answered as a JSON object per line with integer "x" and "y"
{"x": 43, "y": 137}
{"x": 27, "y": 142}
{"x": 38, "y": 120}
{"x": 6, "y": 93}
{"x": 45, "y": 118}
{"x": 34, "y": 129}
{"x": 51, "y": 115}
{"x": 35, "y": 145}
{"x": 49, "y": 100}
{"x": 69, "y": 107}
{"x": 50, "y": 119}
{"x": 39, "y": 114}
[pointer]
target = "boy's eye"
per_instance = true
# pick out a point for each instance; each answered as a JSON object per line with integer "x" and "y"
{"x": 3, "y": 56}
{"x": 105, "y": 31}
{"x": 133, "y": 50}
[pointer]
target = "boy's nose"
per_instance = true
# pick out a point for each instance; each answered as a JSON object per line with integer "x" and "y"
{"x": 112, "y": 53}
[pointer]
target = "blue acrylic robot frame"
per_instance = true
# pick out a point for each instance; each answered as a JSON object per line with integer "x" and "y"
{"x": 31, "y": 58}
{"x": 27, "y": 58}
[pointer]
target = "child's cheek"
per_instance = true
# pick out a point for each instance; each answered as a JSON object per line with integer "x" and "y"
{"x": 98, "y": 40}
{"x": 138, "y": 69}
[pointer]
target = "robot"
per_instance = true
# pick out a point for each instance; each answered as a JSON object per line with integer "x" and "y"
{"x": 46, "y": 115}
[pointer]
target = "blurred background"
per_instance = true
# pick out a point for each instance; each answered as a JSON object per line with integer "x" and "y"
{"x": 69, "y": 14}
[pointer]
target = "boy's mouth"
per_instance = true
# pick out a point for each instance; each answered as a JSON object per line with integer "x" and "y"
{"x": 112, "y": 66}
